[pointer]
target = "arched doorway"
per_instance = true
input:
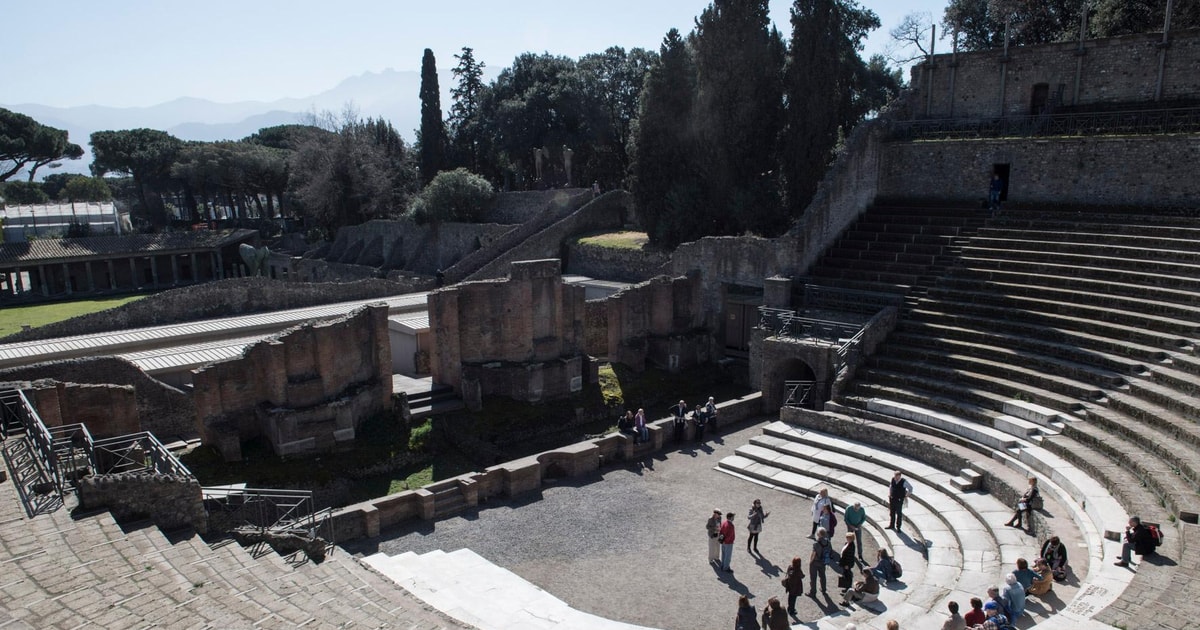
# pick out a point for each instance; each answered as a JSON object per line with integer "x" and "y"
{"x": 795, "y": 384}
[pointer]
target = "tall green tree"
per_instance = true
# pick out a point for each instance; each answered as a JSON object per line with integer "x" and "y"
{"x": 431, "y": 138}
{"x": 144, "y": 154}
{"x": 612, "y": 80}
{"x": 662, "y": 145}
{"x": 26, "y": 143}
{"x": 824, "y": 75}
{"x": 737, "y": 117}
{"x": 82, "y": 188}
{"x": 464, "y": 124}
{"x": 23, "y": 193}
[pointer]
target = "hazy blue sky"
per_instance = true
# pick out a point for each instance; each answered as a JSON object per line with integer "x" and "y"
{"x": 144, "y": 52}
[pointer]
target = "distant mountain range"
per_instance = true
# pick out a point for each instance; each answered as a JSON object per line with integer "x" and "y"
{"x": 390, "y": 94}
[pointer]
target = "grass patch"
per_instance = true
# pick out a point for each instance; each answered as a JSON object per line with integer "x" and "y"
{"x": 617, "y": 240}
{"x": 12, "y": 318}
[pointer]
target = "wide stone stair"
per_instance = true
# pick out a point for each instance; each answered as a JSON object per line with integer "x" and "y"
{"x": 1066, "y": 339}
{"x": 64, "y": 571}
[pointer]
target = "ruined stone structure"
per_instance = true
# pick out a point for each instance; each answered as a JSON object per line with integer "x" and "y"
{"x": 521, "y": 337}
{"x": 1031, "y": 80}
{"x": 660, "y": 322}
{"x": 306, "y": 390}
{"x": 171, "y": 501}
{"x": 106, "y": 410}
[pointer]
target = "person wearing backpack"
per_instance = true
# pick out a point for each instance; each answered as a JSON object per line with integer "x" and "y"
{"x": 1138, "y": 539}
{"x": 816, "y": 562}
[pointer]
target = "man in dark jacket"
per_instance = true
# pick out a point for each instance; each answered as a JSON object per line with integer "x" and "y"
{"x": 679, "y": 414}
{"x": 1138, "y": 539}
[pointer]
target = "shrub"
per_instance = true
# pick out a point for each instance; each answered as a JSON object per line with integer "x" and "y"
{"x": 457, "y": 195}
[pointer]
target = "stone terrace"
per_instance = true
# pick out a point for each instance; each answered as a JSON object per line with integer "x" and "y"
{"x": 1065, "y": 343}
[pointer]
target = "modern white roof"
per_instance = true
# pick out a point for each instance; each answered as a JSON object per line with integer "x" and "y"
{"x": 410, "y": 323}
{"x": 159, "y": 342}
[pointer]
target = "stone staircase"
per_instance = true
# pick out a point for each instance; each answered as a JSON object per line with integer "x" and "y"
{"x": 1066, "y": 341}
{"x": 438, "y": 399}
{"x": 59, "y": 570}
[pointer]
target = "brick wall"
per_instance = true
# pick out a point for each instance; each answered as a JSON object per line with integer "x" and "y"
{"x": 306, "y": 388}
{"x": 106, "y": 410}
{"x": 163, "y": 410}
{"x": 1108, "y": 170}
{"x": 1109, "y": 71}
{"x": 657, "y": 319}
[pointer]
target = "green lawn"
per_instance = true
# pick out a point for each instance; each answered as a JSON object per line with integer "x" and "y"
{"x": 617, "y": 240}
{"x": 12, "y": 318}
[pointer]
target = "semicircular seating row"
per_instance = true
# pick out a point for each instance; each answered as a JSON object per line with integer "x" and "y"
{"x": 1065, "y": 344}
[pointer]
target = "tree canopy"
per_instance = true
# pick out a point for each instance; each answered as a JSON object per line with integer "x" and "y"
{"x": 26, "y": 143}
{"x": 431, "y": 138}
{"x": 980, "y": 24}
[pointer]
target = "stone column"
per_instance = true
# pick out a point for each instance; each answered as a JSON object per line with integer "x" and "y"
{"x": 220, "y": 269}
{"x": 174, "y": 270}
{"x": 195, "y": 270}
{"x": 133, "y": 273}
{"x": 112, "y": 275}
{"x": 154, "y": 271}
{"x": 91, "y": 278}
{"x": 67, "y": 278}
{"x": 42, "y": 279}
{"x": 777, "y": 292}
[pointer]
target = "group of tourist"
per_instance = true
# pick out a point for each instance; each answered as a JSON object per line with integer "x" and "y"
{"x": 702, "y": 417}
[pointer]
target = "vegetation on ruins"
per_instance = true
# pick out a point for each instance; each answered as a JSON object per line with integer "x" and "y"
{"x": 13, "y": 318}
{"x": 616, "y": 240}
{"x": 980, "y": 24}
{"x": 457, "y": 195}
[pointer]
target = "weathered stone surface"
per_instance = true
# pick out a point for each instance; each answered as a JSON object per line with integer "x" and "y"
{"x": 106, "y": 410}
{"x": 168, "y": 500}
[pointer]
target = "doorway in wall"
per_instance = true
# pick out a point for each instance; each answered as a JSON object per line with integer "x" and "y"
{"x": 1003, "y": 170}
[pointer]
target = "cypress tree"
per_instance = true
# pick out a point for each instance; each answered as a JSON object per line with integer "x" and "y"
{"x": 432, "y": 135}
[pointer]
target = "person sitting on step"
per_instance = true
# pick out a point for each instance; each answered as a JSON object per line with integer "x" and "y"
{"x": 865, "y": 590}
{"x": 885, "y": 568}
{"x": 1026, "y": 505}
{"x": 1024, "y": 574}
{"x": 1055, "y": 555}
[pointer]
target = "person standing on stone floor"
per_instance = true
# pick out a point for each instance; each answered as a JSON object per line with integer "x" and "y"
{"x": 710, "y": 412}
{"x": 700, "y": 419}
{"x": 726, "y": 535}
{"x": 747, "y": 618}
{"x": 713, "y": 528}
{"x": 816, "y": 562}
{"x": 818, "y": 508}
{"x": 995, "y": 190}
{"x": 755, "y": 525}
{"x": 855, "y": 518}
{"x": 793, "y": 584}
{"x": 898, "y": 491}
{"x": 679, "y": 419}
{"x": 846, "y": 562}
{"x": 829, "y": 520}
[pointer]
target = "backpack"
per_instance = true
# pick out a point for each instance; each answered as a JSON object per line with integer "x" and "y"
{"x": 897, "y": 570}
{"x": 1156, "y": 534}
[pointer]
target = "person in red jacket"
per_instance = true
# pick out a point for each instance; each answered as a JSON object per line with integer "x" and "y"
{"x": 726, "y": 535}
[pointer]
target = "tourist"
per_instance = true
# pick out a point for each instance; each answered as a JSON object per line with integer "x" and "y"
{"x": 995, "y": 618}
{"x": 1013, "y": 595}
{"x": 846, "y": 562}
{"x": 885, "y": 567}
{"x": 726, "y": 535}
{"x": 639, "y": 423}
{"x": 1138, "y": 539}
{"x": 898, "y": 491}
{"x": 892, "y": 624}
{"x": 818, "y": 508}
{"x": 829, "y": 520}
{"x": 865, "y": 590}
{"x": 773, "y": 617}
{"x": 1024, "y": 575}
{"x": 679, "y": 419}
{"x": 956, "y": 621}
{"x": 756, "y": 518}
{"x": 1055, "y": 555}
{"x": 710, "y": 412}
{"x": 816, "y": 562}
{"x": 975, "y": 616}
{"x": 1044, "y": 580}
{"x": 626, "y": 425}
{"x": 700, "y": 419}
{"x": 793, "y": 583}
{"x": 995, "y": 189}
{"x": 855, "y": 517}
{"x": 1025, "y": 506}
{"x": 746, "y": 618}
{"x": 713, "y": 527}
{"x": 994, "y": 597}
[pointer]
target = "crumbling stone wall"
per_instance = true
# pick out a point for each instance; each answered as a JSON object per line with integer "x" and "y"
{"x": 306, "y": 389}
{"x": 621, "y": 265}
{"x": 106, "y": 410}
{"x": 660, "y": 321}
{"x": 407, "y": 245}
{"x": 1108, "y": 71}
{"x": 171, "y": 501}
{"x": 222, "y": 298}
{"x": 520, "y": 337}
{"x": 1087, "y": 171}
{"x": 166, "y": 412}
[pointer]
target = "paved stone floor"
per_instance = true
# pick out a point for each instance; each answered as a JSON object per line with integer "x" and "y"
{"x": 629, "y": 545}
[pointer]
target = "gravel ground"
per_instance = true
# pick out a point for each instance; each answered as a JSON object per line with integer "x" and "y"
{"x": 629, "y": 543}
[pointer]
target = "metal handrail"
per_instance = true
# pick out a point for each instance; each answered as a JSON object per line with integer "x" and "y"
{"x": 1136, "y": 122}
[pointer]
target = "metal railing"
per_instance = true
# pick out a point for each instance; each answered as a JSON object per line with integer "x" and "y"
{"x": 799, "y": 393}
{"x": 1133, "y": 122}
{"x": 785, "y": 323}
{"x": 262, "y": 510}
